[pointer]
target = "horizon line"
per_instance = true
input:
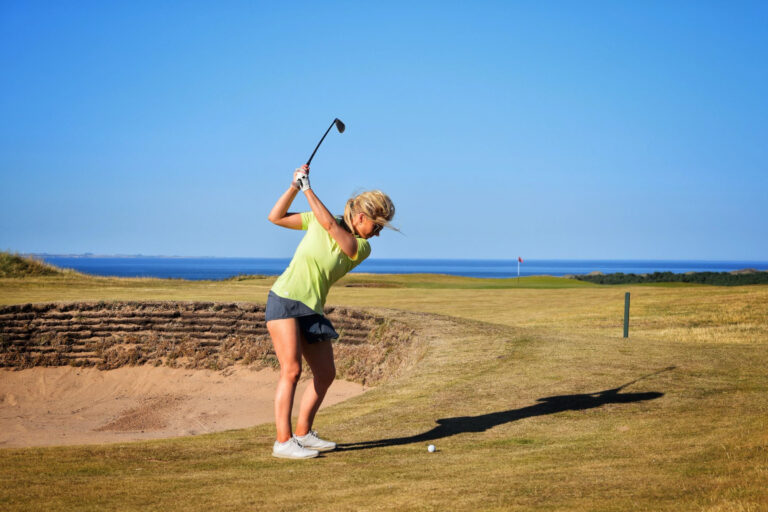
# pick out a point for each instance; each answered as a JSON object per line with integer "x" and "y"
{"x": 513, "y": 259}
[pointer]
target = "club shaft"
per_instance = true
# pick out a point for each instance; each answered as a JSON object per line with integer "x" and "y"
{"x": 321, "y": 141}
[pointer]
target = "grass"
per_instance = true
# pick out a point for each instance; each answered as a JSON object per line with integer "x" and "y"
{"x": 432, "y": 282}
{"x": 14, "y": 265}
{"x": 519, "y": 387}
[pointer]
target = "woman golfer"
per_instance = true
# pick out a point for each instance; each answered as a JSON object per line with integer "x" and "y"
{"x": 331, "y": 247}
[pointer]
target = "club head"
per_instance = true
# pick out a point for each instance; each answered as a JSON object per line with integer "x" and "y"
{"x": 339, "y": 125}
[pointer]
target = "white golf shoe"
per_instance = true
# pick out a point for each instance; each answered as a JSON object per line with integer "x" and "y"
{"x": 313, "y": 442}
{"x": 292, "y": 449}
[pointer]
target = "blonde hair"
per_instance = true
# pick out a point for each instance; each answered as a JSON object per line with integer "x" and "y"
{"x": 375, "y": 204}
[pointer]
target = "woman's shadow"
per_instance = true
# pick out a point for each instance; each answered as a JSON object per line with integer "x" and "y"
{"x": 447, "y": 427}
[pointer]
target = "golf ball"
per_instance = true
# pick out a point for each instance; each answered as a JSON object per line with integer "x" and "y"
{"x": 431, "y": 448}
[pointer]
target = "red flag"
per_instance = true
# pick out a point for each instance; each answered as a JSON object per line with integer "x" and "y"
{"x": 519, "y": 259}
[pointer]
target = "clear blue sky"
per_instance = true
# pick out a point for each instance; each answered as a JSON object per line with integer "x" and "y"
{"x": 591, "y": 129}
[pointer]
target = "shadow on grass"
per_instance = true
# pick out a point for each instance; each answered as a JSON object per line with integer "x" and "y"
{"x": 550, "y": 405}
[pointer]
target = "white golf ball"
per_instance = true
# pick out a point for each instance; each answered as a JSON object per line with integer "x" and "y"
{"x": 431, "y": 448}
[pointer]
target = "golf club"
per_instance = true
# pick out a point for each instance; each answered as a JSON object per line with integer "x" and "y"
{"x": 339, "y": 126}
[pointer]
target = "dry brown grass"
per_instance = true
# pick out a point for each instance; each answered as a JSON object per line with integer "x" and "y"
{"x": 532, "y": 398}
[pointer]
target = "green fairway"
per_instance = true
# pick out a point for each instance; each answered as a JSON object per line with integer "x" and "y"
{"x": 440, "y": 281}
{"x": 529, "y": 392}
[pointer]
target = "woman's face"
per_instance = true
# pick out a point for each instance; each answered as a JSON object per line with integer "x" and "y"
{"x": 366, "y": 227}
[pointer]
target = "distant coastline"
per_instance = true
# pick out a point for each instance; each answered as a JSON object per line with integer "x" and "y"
{"x": 214, "y": 268}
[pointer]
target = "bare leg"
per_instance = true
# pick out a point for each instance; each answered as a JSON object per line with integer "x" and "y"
{"x": 286, "y": 339}
{"x": 319, "y": 356}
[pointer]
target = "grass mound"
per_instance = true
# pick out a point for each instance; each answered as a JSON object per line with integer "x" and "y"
{"x": 13, "y": 265}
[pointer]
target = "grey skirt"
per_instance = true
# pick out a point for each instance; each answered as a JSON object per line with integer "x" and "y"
{"x": 314, "y": 327}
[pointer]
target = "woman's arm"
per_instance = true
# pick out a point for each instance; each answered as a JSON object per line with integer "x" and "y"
{"x": 346, "y": 240}
{"x": 280, "y": 214}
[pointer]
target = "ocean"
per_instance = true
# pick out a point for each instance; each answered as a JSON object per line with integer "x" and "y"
{"x": 223, "y": 268}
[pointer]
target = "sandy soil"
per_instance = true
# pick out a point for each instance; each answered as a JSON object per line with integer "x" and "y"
{"x": 66, "y": 405}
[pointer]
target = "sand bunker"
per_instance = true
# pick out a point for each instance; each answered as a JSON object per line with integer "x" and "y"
{"x": 105, "y": 372}
{"x": 66, "y": 405}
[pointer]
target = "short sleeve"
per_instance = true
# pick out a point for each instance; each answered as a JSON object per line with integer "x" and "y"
{"x": 363, "y": 250}
{"x": 306, "y": 218}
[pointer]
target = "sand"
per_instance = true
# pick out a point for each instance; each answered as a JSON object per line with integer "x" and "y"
{"x": 67, "y": 405}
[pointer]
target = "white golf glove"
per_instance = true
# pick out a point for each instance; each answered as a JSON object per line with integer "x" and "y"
{"x": 301, "y": 179}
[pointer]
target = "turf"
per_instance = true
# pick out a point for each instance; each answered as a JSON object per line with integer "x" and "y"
{"x": 531, "y": 395}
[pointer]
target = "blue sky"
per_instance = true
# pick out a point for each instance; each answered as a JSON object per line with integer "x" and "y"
{"x": 595, "y": 129}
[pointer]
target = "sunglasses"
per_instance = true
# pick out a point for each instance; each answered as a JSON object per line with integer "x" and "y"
{"x": 376, "y": 227}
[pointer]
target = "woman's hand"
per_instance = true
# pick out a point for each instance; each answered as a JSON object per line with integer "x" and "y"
{"x": 301, "y": 178}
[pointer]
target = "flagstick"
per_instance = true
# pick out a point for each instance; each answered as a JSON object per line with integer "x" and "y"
{"x": 518, "y": 271}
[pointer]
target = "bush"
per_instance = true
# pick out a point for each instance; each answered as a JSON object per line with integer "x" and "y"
{"x": 711, "y": 278}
